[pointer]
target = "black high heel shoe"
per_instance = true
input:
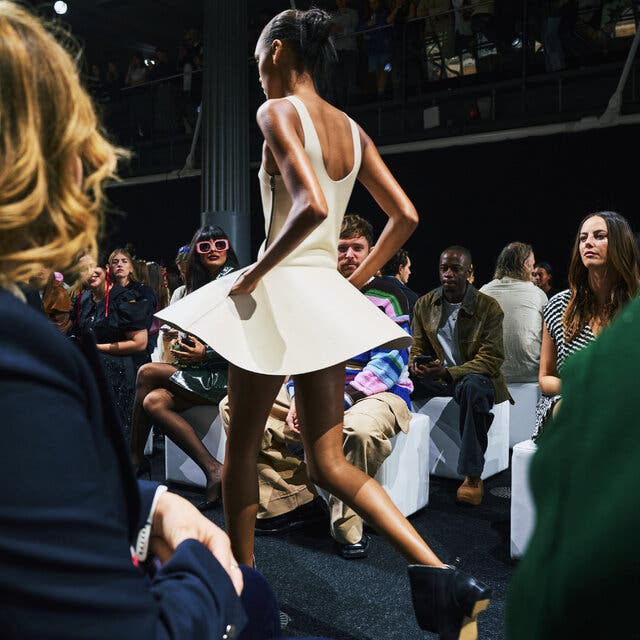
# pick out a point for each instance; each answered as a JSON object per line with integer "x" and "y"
{"x": 144, "y": 468}
{"x": 447, "y": 601}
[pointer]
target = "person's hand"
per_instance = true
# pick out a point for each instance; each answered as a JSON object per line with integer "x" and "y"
{"x": 432, "y": 371}
{"x": 187, "y": 354}
{"x": 176, "y": 520}
{"x": 293, "y": 425}
{"x": 246, "y": 283}
{"x": 169, "y": 334}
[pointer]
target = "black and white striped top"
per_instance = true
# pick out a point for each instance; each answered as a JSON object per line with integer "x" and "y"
{"x": 553, "y": 314}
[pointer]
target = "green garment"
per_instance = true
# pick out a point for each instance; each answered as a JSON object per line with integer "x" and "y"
{"x": 580, "y": 576}
{"x": 479, "y": 328}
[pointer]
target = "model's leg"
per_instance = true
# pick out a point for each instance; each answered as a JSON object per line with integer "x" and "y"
{"x": 251, "y": 397}
{"x": 368, "y": 427}
{"x": 319, "y": 401}
{"x": 162, "y": 406}
{"x": 152, "y": 375}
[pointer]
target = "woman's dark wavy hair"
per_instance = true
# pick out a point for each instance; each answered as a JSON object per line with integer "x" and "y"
{"x": 308, "y": 33}
{"x": 196, "y": 275}
{"x": 622, "y": 268}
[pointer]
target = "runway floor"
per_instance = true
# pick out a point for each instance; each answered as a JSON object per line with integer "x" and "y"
{"x": 369, "y": 599}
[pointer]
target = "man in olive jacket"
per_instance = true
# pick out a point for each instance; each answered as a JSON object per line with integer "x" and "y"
{"x": 457, "y": 351}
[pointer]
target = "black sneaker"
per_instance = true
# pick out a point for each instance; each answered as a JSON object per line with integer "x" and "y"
{"x": 309, "y": 513}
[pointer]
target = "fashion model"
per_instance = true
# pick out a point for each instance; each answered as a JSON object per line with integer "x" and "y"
{"x": 284, "y": 314}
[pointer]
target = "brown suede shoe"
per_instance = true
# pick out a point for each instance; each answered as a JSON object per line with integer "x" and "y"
{"x": 470, "y": 492}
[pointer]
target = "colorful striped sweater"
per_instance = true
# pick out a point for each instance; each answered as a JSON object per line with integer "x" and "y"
{"x": 379, "y": 370}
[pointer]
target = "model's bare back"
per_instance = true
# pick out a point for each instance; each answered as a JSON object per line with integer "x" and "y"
{"x": 334, "y": 133}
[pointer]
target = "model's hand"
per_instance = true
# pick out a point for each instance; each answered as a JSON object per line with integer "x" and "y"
{"x": 189, "y": 355}
{"x": 291, "y": 420}
{"x": 246, "y": 283}
{"x": 177, "y": 520}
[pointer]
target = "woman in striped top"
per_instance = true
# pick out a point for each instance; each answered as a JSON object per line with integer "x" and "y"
{"x": 603, "y": 277}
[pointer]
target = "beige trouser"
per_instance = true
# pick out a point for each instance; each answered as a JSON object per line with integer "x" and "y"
{"x": 282, "y": 476}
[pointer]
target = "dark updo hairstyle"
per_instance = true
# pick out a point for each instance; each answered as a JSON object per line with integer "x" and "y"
{"x": 196, "y": 275}
{"x": 309, "y": 33}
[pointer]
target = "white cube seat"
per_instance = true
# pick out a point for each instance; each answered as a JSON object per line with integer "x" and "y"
{"x": 522, "y": 414}
{"x": 205, "y": 420}
{"x": 444, "y": 449}
{"x": 404, "y": 473}
{"x": 148, "y": 446}
{"x": 522, "y": 508}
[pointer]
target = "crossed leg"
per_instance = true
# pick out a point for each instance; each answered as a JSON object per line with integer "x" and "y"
{"x": 159, "y": 401}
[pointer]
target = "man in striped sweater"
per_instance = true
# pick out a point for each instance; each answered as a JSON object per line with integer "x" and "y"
{"x": 377, "y": 407}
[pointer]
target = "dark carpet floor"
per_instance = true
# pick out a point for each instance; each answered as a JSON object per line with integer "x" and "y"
{"x": 369, "y": 599}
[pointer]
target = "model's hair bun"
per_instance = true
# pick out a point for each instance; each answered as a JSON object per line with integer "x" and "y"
{"x": 316, "y": 42}
{"x": 309, "y": 33}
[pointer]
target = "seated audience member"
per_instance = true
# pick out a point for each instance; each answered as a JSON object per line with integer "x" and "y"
{"x": 522, "y": 304}
{"x": 460, "y": 330}
{"x": 581, "y": 561}
{"x": 122, "y": 271}
{"x": 398, "y": 271}
{"x": 377, "y": 407}
{"x": 56, "y": 302}
{"x": 181, "y": 265}
{"x": 196, "y": 376}
{"x": 116, "y": 318}
{"x": 603, "y": 277}
{"x": 75, "y": 527}
{"x": 542, "y": 278}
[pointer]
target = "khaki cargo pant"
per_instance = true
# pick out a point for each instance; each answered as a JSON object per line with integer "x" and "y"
{"x": 282, "y": 475}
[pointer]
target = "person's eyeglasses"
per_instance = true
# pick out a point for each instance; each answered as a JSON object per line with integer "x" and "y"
{"x": 210, "y": 245}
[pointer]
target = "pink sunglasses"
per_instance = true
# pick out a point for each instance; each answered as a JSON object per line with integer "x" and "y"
{"x": 210, "y": 245}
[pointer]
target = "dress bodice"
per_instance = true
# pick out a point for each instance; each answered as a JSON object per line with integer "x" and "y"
{"x": 320, "y": 247}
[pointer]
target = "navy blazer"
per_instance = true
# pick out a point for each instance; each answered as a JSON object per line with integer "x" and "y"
{"x": 70, "y": 508}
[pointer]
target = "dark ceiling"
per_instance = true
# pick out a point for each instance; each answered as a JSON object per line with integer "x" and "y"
{"x": 115, "y": 28}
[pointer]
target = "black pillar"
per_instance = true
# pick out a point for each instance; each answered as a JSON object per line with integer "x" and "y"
{"x": 225, "y": 122}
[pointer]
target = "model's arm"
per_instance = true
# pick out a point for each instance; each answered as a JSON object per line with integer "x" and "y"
{"x": 403, "y": 218}
{"x": 548, "y": 378}
{"x": 277, "y": 120}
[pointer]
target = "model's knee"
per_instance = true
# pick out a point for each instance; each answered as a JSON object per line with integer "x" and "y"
{"x": 326, "y": 474}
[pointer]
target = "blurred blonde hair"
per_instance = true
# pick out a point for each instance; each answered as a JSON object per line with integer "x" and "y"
{"x": 48, "y": 126}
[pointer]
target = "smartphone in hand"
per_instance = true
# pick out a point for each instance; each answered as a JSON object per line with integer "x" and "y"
{"x": 423, "y": 359}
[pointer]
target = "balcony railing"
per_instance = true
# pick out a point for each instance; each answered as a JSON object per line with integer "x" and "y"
{"x": 444, "y": 74}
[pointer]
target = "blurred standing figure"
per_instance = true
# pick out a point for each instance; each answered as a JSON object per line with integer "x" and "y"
{"x": 376, "y": 44}
{"x": 345, "y": 23}
{"x": 522, "y": 304}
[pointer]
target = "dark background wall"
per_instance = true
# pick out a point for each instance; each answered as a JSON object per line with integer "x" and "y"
{"x": 535, "y": 190}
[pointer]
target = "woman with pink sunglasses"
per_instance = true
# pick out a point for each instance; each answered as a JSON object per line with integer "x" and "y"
{"x": 195, "y": 376}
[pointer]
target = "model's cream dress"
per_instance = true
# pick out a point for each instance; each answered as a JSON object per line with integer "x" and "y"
{"x": 303, "y": 315}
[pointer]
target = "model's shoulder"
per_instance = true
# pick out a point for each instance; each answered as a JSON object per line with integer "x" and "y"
{"x": 274, "y": 108}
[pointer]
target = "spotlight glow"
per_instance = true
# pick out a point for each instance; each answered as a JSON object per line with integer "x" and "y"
{"x": 60, "y": 7}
